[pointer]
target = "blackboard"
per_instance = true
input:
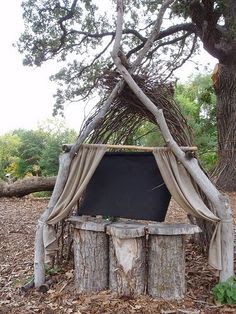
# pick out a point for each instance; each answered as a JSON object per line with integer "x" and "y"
{"x": 129, "y": 185}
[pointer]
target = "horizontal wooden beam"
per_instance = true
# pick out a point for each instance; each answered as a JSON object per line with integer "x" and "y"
{"x": 67, "y": 147}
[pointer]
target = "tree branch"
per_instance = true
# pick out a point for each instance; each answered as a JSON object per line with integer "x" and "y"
{"x": 169, "y": 42}
{"x": 127, "y": 31}
{"x": 154, "y": 34}
{"x": 214, "y": 37}
{"x": 189, "y": 27}
{"x": 68, "y": 16}
{"x": 177, "y": 66}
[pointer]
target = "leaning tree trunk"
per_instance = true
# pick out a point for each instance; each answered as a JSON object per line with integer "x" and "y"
{"x": 225, "y": 88}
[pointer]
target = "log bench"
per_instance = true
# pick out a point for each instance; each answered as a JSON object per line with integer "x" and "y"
{"x": 127, "y": 257}
{"x": 166, "y": 259}
{"x": 90, "y": 253}
{"x": 130, "y": 258}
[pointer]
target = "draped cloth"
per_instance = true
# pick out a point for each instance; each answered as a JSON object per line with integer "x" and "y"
{"x": 185, "y": 192}
{"x": 81, "y": 171}
{"x": 178, "y": 181}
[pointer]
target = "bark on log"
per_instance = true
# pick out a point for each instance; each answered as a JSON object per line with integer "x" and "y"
{"x": 90, "y": 255}
{"x": 127, "y": 271}
{"x": 225, "y": 170}
{"x": 166, "y": 260}
{"x": 26, "y": 186}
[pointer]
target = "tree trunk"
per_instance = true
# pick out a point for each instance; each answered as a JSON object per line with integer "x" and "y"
{"x": 90, "y": 254}
{"x": 26, "y": 186}
{"x": 127, "y": 259}
{"x": 39, "y": 267}
{"x": 166, "y": 259}
{"x": 225, "y": 88}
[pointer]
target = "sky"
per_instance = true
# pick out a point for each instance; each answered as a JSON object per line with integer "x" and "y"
{"x": 26, "y": 97}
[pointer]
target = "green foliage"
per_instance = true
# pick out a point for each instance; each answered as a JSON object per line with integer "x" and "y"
{"x": 79, "y": 36}
{"x": 57, "y": 134}
{"x": 147, "y": 134}
{"x": 9, "y": 150}
{"x": 42, "y": 194}
{"x": 198, "y": 104}
{"x": 34, "y": 152}
{"x": 32, "y": 144}
{"x": 52, "y": 270}
{"x": 225, "y": 292}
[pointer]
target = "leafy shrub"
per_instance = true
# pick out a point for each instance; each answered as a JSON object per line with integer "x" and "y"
{"x": 52, "y": 270}
{"x": 42, "y": 194}
{"x": 208, "y": 159}
{"x": 225, "y": 292}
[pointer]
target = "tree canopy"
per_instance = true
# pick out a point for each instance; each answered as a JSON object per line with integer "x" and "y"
{"x": 78, "y": 34}
{"x": 81, "y": 33}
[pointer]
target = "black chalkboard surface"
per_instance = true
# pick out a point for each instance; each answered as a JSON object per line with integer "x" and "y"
{"x": 127, "y": 185}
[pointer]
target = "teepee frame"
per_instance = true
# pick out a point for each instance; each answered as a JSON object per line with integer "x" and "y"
{"x": 219, "y": 202}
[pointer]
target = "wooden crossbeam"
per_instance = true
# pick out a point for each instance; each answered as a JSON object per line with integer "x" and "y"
{"x": 67, "y": 147}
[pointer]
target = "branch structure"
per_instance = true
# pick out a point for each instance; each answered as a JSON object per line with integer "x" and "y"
{"x": 220, "y": 203}
{"x": 66, "y": 158}
{"x": 217, "y": 39}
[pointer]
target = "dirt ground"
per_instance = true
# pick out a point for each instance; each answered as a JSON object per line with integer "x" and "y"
{"x": 17, "y": 230}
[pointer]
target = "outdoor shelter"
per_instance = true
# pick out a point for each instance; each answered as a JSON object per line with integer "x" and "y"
{"x": 117, "y": 116}
{"x": 181, "y": 186}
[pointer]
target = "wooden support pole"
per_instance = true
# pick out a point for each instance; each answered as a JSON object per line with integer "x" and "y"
{"x": 67, "y": 147}
{"x": 127, "y": 259}
{"x": 166, "y": 259}
{"x": 90, "y": 254}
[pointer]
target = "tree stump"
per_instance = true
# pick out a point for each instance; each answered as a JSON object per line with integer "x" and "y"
{"x": 90, "y": 254}
{"x": 127, "y": 271}
{"x": 166, "y": 259}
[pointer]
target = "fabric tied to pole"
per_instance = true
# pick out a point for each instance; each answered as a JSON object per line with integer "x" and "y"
{"x": 185, "y": 192}
{"x": 81, "y": 171}
{"x": 178, "y": 181}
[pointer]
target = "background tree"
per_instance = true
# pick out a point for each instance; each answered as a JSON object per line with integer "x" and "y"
{"x": 198, "y": 103}
{"x": 215, "y": 23}
{"x": 9, "y": 152}
{"x": 56, "y": 133}
{"x": 26, "y": 153}
{"x": 78, "y": 34}
{"x": 32, "y": 144}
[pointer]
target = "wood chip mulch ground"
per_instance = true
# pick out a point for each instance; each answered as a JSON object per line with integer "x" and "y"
{"x": 17, "y": 230}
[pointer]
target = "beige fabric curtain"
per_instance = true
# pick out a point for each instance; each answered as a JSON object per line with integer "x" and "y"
{"x": 184, "y": 191}
{"x": 82, "y": 169}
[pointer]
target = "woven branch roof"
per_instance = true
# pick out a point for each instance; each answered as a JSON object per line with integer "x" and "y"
{"x": 127, "y": 113}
